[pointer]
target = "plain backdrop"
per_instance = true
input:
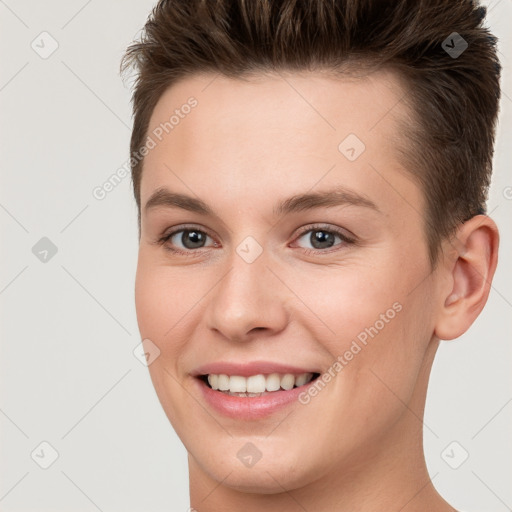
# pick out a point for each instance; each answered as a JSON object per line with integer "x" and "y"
{"x": 69, "y": 378}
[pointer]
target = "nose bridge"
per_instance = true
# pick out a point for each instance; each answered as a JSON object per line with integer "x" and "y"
{"x": 248, "y": 296}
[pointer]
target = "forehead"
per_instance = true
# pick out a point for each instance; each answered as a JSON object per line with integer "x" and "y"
{"x": 285, "y": 129}
{"x": 308, "y": 104}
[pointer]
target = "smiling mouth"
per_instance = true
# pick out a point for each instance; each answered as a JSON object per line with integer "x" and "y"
{"x": 256, "y": 385}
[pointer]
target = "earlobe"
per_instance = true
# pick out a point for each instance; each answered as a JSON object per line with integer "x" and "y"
{"x": 471, "y": 272}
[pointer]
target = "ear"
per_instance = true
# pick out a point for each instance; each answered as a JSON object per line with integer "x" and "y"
{"x": 470, "y": 264}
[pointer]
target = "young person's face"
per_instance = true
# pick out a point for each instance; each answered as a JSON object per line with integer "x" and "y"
{"x": 367, "y": 299}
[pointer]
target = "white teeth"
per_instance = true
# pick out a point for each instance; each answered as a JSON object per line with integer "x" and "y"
{"x": 237, "y": 384}
{"x": 273, "y": 382}
{"x": 287, "y": 381}
{"x": 213, "y": 380}
{"x": 257, "y": 384}
{"x": 301, "y": 379}
{"x": 223, "y": 383}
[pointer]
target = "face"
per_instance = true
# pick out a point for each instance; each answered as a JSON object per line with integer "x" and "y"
{"x": 299, "y": 250}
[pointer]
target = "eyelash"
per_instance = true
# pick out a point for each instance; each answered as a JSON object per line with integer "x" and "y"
{"x": 193, "y": 252}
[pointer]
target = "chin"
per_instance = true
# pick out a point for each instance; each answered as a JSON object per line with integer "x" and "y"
{"x": 272, "y": 474}
{"x": 259, "y": 480}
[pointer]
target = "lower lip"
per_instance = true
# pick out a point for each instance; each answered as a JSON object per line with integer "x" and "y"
{"x": 249, "y": 408}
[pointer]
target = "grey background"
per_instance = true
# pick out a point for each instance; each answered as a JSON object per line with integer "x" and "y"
{"x": 68, "y": 375}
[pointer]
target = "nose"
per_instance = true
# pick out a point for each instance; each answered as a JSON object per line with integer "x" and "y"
{"x": 249, "y": 300}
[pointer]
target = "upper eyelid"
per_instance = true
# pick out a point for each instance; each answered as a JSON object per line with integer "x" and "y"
{"x": 319, "y": 227}
{"x": 305, "y": 229}
{"x": 185, "y": 227}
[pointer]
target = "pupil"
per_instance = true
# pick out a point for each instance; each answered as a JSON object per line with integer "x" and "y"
{"x": 322, "y": 239}
{"x": 192, "y": 239}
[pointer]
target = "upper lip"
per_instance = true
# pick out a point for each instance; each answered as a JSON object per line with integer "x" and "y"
{"x": 249, "y": 368}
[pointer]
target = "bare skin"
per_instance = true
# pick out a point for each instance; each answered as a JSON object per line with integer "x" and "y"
{"x": 246, "y": 146}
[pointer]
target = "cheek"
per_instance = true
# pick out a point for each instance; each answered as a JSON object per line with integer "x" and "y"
{"x": 345, "y": 303}
{"x": 161, "y": 303}
{"x": 376, "y": 325}
{"x": 163, "y": 296}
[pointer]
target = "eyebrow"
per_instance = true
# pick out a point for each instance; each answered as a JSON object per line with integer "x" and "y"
{"x": 339, "y": 196}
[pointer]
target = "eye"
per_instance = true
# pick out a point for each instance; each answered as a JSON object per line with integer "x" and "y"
{"x": 185, "y": 241}
{"x": 321, "y": 238}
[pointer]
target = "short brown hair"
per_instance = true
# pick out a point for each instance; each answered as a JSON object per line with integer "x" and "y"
{"x": 453, "y": 97}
